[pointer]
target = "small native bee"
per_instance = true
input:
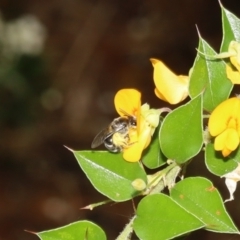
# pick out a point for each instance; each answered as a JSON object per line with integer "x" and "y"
{"x": 116, "y": 136}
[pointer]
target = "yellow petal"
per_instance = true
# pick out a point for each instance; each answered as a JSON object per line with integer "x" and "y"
{"x": 134, "y": 152}
{"x": 226, "y": 152}
{"x": 127, "y": 101}
{"x": 159, "y": 95}
{"x": 227, "y": 141}
{"x": 219, "y": 143}
{"x": 234, "y": 48}
{"x": 232, "y": 123}
{"x": 222, "y": 114}
{"x": 233, "y": 75}
{"x": 235, "y": 62}
{"x": 232, "y": 140}
{"x": 169, "y": 86}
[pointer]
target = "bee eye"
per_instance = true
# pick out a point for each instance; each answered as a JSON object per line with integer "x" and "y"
{"x": 133, "y": 122}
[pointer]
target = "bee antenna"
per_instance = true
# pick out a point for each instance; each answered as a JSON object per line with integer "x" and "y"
{"x": 124, "y": 112}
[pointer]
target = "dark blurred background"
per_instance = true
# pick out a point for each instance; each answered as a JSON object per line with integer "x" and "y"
{"x": 61, "y": 63}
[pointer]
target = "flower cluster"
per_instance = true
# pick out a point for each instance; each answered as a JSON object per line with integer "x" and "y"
{"x": 169, "y": 87}
{"x": 129, "y": 101}
{"x": 233, "y": 69}
{"x": 224, "y": 122}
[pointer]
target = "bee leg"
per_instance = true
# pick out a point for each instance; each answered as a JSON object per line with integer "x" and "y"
{"x": 130, "y": 144}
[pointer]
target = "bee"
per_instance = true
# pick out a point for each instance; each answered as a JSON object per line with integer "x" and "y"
{"x": 116, "y": 136}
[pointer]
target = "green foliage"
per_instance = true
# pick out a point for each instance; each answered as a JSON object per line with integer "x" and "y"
{"x": 199, "y": 197}
{"x": 213, "y": 82}
{"x": 192, "y": 203}
{"x": 231, "y": 26}
{"x": 75, "y": 231}
{"x": 153, "y": 216}
{"x": 109, "y": 174}
{"x": 153, "y": 157}
{"x": 219, "y": 165}
{"x": 180, "y": 136}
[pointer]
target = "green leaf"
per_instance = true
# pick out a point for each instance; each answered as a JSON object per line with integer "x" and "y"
{"x": 219, "y": 165}
{"x": 84, "y": 230}
{"x": 110, "y": 174}
{"x": 231, "y": 28}
{"x": 209, "y": 77}
{"x": 159, "y": 217}
{"x": 199, "y": 197}
{"x": 153, "y": 156}
{"x": 180, "y": 134}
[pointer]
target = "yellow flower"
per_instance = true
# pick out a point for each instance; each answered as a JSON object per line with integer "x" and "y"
{"x": 232, "y": 69}
{"x": 233, "y": 72}
{"x": 234, "y": 52}
{"x": 224, "y": 124}
{"x": 233, "y": 75}
{"x": 169, "y": 87}
{"x": 129, "y": 101}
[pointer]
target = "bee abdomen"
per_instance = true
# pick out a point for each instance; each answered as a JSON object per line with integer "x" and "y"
{"x": 108, "y": 143}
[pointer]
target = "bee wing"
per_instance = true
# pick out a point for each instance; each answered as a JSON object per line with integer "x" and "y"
{"x": 100, "y": 137}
